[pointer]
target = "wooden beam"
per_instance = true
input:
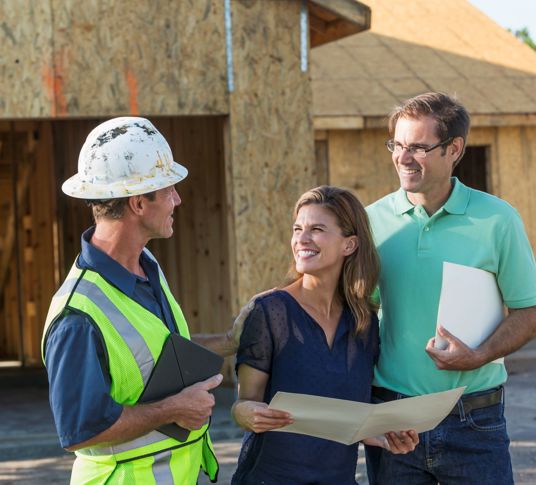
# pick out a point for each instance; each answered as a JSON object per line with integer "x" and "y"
{"x": 339, "y": 122}
{"x": 330, "y": 20}
{"x": 523, "y": 119}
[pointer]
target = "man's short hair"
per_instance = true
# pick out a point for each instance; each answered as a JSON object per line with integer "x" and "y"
{"x": 112, "y": 208}
{"x": 452, "y": 119}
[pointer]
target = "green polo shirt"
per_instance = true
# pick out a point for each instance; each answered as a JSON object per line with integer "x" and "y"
{"x": 472, "y": 228}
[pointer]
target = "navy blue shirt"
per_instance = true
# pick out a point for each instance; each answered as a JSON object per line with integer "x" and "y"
{"x": 75, "y": 354}
{"x": 284, "y": 341}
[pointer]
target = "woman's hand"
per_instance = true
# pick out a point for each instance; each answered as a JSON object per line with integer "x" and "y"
{"x": 398, "y": 443}
{"x": 257, "y": 417}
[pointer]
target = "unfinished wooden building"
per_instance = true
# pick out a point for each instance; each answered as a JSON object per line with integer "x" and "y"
{"x": 414, "y": 47}
{"x": 228, "y": 84}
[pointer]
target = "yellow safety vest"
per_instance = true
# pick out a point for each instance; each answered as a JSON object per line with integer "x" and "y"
{"x": 134, "y": 338}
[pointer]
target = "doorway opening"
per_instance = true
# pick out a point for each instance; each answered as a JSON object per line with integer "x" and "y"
{"x": 473, "y": 168}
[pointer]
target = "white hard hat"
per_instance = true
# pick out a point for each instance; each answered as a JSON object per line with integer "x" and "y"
{"x": 123, "y": 157}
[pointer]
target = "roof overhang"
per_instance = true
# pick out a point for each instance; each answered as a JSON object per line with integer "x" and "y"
{"x": 331, "y": 20}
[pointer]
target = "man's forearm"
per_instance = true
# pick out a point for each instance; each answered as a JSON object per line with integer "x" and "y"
{"x": 518, "y": 328}
{"x": 133, "y": 422}
{"x": 189, "y": 408}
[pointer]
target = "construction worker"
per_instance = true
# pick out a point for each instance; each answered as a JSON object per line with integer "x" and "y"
{"x": 108, "y": 322}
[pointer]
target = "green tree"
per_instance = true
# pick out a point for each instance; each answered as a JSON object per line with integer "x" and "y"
{"x": 524, "y": 36}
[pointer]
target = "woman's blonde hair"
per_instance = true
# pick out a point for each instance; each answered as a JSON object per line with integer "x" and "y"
{"x": 360, "y": 271}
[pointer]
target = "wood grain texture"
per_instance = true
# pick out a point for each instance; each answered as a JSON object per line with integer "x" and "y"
{"x": 65, "y": 58}
{"x": 27, "y": 81}
{"x": 160, "y": 57}
{"x": 271, "y": 160}
{"x": 359, "y": 161}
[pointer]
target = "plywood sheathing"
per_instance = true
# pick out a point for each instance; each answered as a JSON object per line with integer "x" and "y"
{"x": 330, "y": 20}
{"x": 270, "y": 159}
{"x": 112, "y": 57}
{"x": 359, "y": 161}
{"x": 413, "y": 47}
{"x": 512, "y": 167}
{"x": 27, "y": 83}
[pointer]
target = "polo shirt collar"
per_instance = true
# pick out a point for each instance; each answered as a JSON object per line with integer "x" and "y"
{"x": 402, "y": 203}
{"x": 456, "y": 203}
{"x": 97, "y": 260}
{"x": 458, "y": 199}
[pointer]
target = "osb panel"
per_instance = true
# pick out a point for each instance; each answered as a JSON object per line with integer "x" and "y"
{"x": 359, "y": 161}
{"x": 26, "y": 83}
{"x": 516, "y": 154}
{"x": 271, "y": 153}
{"x": 132, "y": 56}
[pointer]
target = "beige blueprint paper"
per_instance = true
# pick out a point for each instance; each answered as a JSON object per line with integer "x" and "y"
{"x": 349, "y": 421}
{"x": 470, "y": 305}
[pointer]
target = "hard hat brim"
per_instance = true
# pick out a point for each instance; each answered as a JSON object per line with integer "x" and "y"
{"x": 84, "y": 189}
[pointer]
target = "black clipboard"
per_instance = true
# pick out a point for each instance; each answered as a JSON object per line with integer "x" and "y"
{"x": 181, "y": 364}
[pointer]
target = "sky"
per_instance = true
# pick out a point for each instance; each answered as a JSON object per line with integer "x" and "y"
{"x": 511, "y": 14}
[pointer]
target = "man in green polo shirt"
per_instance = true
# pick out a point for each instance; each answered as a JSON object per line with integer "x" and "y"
{"x": 434, "y": 218}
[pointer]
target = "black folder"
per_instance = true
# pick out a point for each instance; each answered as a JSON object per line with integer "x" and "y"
{"x": 181, "y": 364}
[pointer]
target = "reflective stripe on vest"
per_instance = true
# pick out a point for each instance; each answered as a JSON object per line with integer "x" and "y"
{"x": 134, "y": 338}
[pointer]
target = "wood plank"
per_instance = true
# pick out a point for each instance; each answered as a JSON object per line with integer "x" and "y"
{"x": 41, "y": 276}
{"x": 23, "y": 184}
{"x": 339, "y": 122}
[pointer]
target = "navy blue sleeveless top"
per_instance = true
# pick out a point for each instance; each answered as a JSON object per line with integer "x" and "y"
{"x": 283, "y": 340}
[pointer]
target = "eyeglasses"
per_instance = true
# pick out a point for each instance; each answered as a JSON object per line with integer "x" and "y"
{"x": 415, "y": 151}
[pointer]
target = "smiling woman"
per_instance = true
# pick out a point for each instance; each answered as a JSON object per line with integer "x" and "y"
{"x": 317, "y": 335}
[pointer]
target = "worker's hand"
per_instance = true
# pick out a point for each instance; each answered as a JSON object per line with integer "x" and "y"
{"x": 456, "y": 355}
{"x": 192, "y": 407}
{"x": 238, "y": 325}
{"x": 398, "y": 443}
{"x": 257, "y": 417}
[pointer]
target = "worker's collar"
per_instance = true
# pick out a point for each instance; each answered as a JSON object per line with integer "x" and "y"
{"x": 456, "y": 203}
{"x": 97, "y": 260}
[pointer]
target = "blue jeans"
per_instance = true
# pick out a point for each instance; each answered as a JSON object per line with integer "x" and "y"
{"x": 463, "y": 450}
